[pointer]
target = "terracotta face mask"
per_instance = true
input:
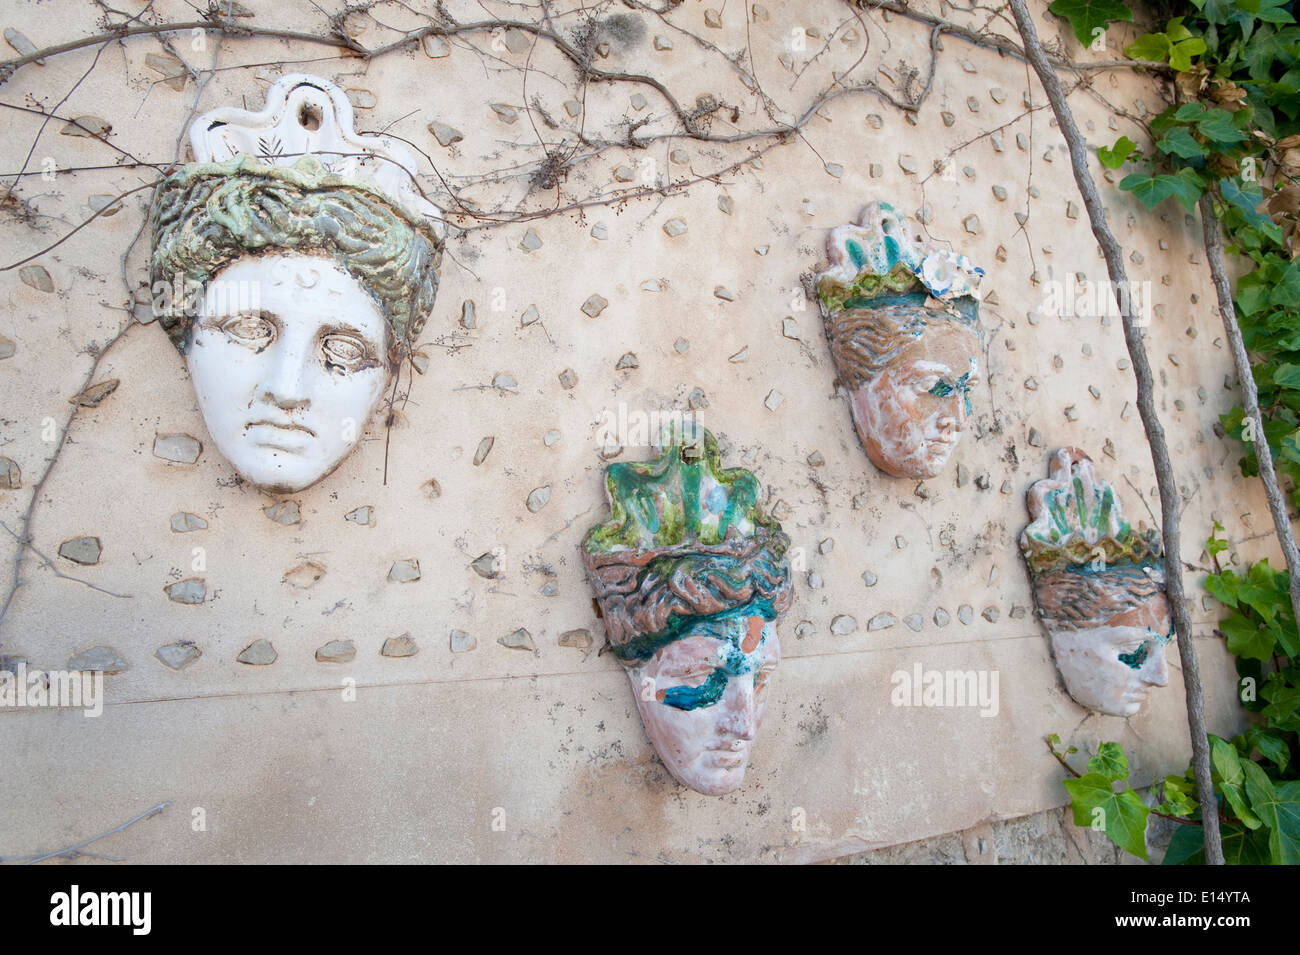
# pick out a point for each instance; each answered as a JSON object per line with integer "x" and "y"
{"x": 691, "y": 576}
{"x": 902, "y": 321}
{"x": 1099, "y": 587}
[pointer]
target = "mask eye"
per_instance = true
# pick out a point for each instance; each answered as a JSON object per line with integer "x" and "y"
{"x": 252, "y": 331}
{"x": 1135, "y": 659}
{"x": 343, "y": 350}
{"x": 941, "y": 388}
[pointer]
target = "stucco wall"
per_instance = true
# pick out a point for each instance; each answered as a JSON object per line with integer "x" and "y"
{"x": 436, "y": 746}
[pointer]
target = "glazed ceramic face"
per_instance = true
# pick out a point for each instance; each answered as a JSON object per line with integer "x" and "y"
{"x": 289, "y": 360}
{"x": 911, "y": 415}
{"x": 1112, "y": 668}
{"x": 707, "y": 694}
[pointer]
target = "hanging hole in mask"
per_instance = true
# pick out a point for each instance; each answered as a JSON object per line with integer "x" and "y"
{"x": 309, "y": 116}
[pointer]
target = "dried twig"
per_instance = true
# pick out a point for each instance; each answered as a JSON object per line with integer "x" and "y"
{"x": 1150, "y": 421}
{"x": 72, "y": 852}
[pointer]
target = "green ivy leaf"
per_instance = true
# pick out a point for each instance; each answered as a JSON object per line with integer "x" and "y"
{"x": 1149, "y": 46}
{"x": 1110, "y": 761}
{"x": 1150, "y": 190}
{"x": 1231, "y": 779}
{"x": 1223, "y": 587}
{"x": 1246, "y": 638}
{"x": 1279, "y": 809}
{"x": 1088, "y": 16}
{"x": 1181, "y": 143}
{"x": 1270, "y": 746}
{"x": 1246, "y": 197}
{"x": 1217, "y": 126}
{"x": 1124, "y": 817}
{"x": 1180, "y": 54}
{"x": 1112, "y": 157}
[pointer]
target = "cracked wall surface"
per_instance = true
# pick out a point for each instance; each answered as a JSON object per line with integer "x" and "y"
{"x": 633, "y": 242}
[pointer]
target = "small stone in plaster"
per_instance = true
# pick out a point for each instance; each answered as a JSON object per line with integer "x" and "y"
{"x": 773, "y": 400}
{"x": 107, "y": 206}
{"x": 182, "y": 522}
{"x": 1122, "y": 364}
{"x": 537, "y": 498}
{"x": 875, "y": 170}
{"x": 881, "y": 621}
{"x": 681, "y": 346}
{"x": 628, "y": 362}
{"x": 713, "y": 18}
{"x": 573, "y": 107}
{"x": 726, "y": 204}
{"x": 760, "y": 12}
{"x": 577, "y": 639}
{"x": 990, "y": 614}
{"x": 192, "y": 590}
{"x": 908, "y": 163}
{"x": 364, "y": 515}
{"x": 948, "y": 118}
{"x": 921, "y": 491}
{"x": 816, "y": 460}
{"x": 180, "y": 448}
{"x": 963, "y": 475}
{"x": 283, "y": 512}
{"x": 1127, "y": 412}
{"x": 807, "y": 208}
{"x": 1006, "y": 487}
{"x": 436, "y": 47}
{"x": 468, "y": 314}
{"x": 304, "y": 576}
{"x": 446, "y": 135}
{"x": 740, "y": 356}
{"x": 1021, "y": 219}
{"x": 915, "y": 622}
{"x": 521, "y": 639}
{"x": 967, "y": 65}
{"x": 1036, "y": 438}
{"x": 834, "y": 169}
{"x": 487, "y": 566}
{"x": 1071, "y": 413}
{"x": 900, "y": 541}
{"x": 724, "y": 293}
{"x": 843, "y": 624}
{"x": 81, "y": 550}
{"x": 1108, "y": 448}
{"x": 995, "y": 141}
{"x": 462, "y": 642}
{"x": 87, "y": 126}
{"x": 600, "y": 231}
{"x": 484, "y": 449}
{"x": 786, "y": 60}
{"x": 815, "y": 581}
{"x": 1022, "y": 142}
{"x": 507, "y": 114}
{"x": 420, "y": 361}
{"x": 998, "y": 94}
{"x": 100, "y": 659}
{"x": 594, "y": 305}
{"x": 549, "y": 589}
{"x": 869, "y": 578}
{"x": 432, "y": 489}
{"x": 941, "y": 618}
{"x": 403, "y": 646}
{"x": 875, "y": 121}
{"x": 638, "y": 101}
{"x": 1001, "y": 254}
{"x": 529, "y": 317}
{"x": 551, "y": 438}
{"x": 675, "y": 227}
{"x": 1071, "y": 209}
{"x": 337, "y": 651}
{"x": 1017, "y": 612}
{"x": 679, "y": 156}
{"x": 971, "y": 224}
{"x": 966, "y": 614}
{"x": 177, "y": 656}
{"x": 762, "y": 249}
{"x": 697, "y": 399}
{"x": 982, "y": 480}
{"x": 7, "y": 347}
{"x": 663, "y": 43}
{"x": 624, "y": 173}
{"x": 21, "y": 45}
{"x": 531, "y": 241}
{"x": 972, "y": 104}
{"x": 568, "y": 378}
{"x": 361, "y": 99}
{"x": 259, "y": 653}
{"x": 404, "y": 571}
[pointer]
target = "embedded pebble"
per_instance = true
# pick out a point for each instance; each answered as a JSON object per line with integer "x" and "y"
{"x": 531, "y": 241}
{"x": 283, "y": 512}
{"x": 790, "y": 328}
{"x": 364, "y": 515}
{"x": 804, "y": 629}
{"x": 1000, "y": 193}
{"x": 815, "y": 581}
{"x": 724, "y": 293}
{"x": 81, "y": 550}
{"x": 529, "y": 316}
{"x": 573, "y": 107}
{"x": 914, "y": 622}
{"x": 432, "y": 489}
{"x": 675, "y": 227}
{"x": 600, "y": 231}
{"x": 963, "y": 475}
{"x": 713, "y": 18}
{"x": 1071, "y": 413}
{"x": 971, "y": 224}
{"x": 88, "y": 126}
{"x": 404, "y": 571}
{"x": 624, "y": 174}
{"x": 436, "y": 47}
{"x": 304, "y": 576}
{"x": 663, "y": 43}
{"x": 697, "y": 399}
{"x": 521, "y": 639}
{"x": 1036, "y": 438}
{"x": 881, "y": 621}
{"x": 181, "y": 448}
{"x": 941, "y": 617}
{"x": 908, "y": 163}
{"x": 843, "y": 624}
{"x": 403, "y": 646}
{"x": 816, "y": 459}
{"x": 726, "y": 204}
{"x": 537, "y": 498}
{"x": 182, "y": 522}
{"x": 259, "y": 653}
{"x": 966, "y": 614}
{"x": 990, "y": 614}
{"x": 101, "y": 659}
{"x": 484, "y": 449}
{"x": 1017, "y": 612}
{"x": 462, "y": 642}
{"x": 568, "y": 378}
{"x": 737, "y": 358}
{"x": 948, "y": 118}
{"x": 446, "y": 135}
{"x": 192, "y": 590}
{"x": 337, "y": 651}
{"x": 551, "y": 438}
{"x": 177, "y": 656}
{"x": 628, "y": 361}
{"x": 35, "y": 276}
{"x": 900, "y": 541}
{"x": 679, "y": 156}
{"x": 468, "y": 314}
{"x": 577, "y": 639}
{"x": 594, "y": 305}
{"x": 773, "y": 400}
{"x": 7, "y": 347}
{"x": 507, "y": 114}
{"x": 487, "y": 566}
{"x": 638, "y": 101}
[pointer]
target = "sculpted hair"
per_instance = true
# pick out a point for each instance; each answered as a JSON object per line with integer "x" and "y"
{"x": 1076, "y": 598}
{"x": 205, "y": 216}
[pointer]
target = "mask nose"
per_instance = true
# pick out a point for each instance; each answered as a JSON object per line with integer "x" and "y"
{"x": 286, "y": 387}
{"x": 1156, "y": 671}
{"x": 741, "y": 717}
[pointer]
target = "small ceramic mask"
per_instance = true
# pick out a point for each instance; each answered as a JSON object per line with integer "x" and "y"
{"x": 1099, "y": 587}
{"x": 691, "y": 577}
{"x": 902, "y": 319}
{"x": 293, "y": 265}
